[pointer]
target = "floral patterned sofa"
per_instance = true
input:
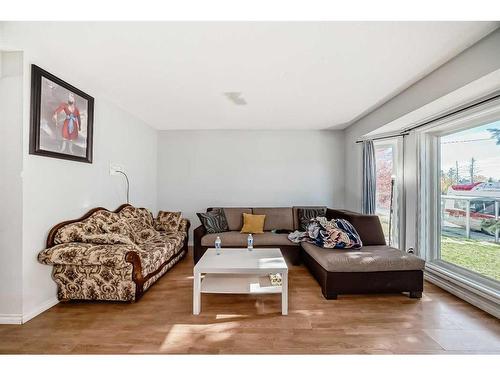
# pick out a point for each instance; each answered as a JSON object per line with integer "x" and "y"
{"x": 114, "y": 256}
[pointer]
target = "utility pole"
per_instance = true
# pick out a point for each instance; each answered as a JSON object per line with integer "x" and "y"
{"x": 472, "y": 169}
{"x": 456, "y": 172}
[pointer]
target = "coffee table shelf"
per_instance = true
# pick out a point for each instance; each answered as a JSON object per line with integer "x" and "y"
{"x": 238, "y": 284}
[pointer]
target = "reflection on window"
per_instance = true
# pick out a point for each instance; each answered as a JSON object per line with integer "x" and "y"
{"x": 470, "y": 198}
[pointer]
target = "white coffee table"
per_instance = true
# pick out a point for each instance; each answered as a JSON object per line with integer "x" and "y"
{"x": 240, "y": 271}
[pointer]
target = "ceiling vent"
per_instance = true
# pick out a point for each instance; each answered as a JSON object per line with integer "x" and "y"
{"x": 235, "y": 98}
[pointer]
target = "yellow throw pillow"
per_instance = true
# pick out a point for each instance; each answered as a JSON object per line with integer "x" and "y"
{"x": 253, "y": 223}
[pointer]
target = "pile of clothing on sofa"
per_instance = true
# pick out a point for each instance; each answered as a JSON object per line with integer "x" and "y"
{"x": 330, "y": 234}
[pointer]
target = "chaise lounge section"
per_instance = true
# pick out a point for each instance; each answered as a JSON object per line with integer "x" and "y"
{"x": 375, "y": 268}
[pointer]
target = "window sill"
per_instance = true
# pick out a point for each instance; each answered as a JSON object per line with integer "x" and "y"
{"x": 479, "y": 295}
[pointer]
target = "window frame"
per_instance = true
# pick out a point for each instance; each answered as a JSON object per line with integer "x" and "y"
{"x": 430, "y": 195}
{"x": 399, "y": 217}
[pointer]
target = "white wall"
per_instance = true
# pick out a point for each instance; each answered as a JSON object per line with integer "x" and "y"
{"x": 11, "y": 134}
{"x": 472, "y": 64}
{"x": 199, "y": 169}
{"x": 54, "y": 190}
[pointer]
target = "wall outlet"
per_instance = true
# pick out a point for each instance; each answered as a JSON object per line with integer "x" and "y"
{"x": 114, "y": 169}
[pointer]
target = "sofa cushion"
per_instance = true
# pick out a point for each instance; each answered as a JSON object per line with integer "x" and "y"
{"x": 141, "y": 221}
{"x": 183, "y": 226}
{"x": 306, "y": 214}
{"x": 138, "y": 218}
{"x": 159, "y": 250}
{"x": 102, "y": 227}
{"x": 367, "y": 226}
{"x": 234, "y": 217}
{"x": 237, "y": 239}
{"x": 367, "y": 259}
{"x": 295, "y": 213}
{"x": 276, "y": 217}
{"x": 253, "y": 223}
{"x": 272, "y": 239}
{"x": 214, "y": 221}
{"x": 168, "y": 221}
{"x": 232, "y": 238}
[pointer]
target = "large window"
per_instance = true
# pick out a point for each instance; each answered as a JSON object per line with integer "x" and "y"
{"x": 458, "y": 200}
{"x": 469, "y": 185}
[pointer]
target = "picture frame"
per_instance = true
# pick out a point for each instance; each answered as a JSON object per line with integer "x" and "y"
{"x": 61, "y": 118}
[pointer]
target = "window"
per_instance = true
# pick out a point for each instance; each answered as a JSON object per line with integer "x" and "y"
{"x": 458, "y": 198}
{"x": 388, "y": 202}
{"x": 470, "y": 198}
{"x": 384, "y": 158}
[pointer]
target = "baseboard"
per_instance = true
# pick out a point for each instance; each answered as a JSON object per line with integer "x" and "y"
{"x": 474, "y": 299}
{"x": 40, "y": 309}
{"x": 11, "y": 319}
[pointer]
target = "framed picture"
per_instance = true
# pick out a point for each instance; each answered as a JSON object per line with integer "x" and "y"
{"x": 61, "y": 118}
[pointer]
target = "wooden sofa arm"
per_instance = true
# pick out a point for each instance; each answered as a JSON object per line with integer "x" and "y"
{"x": 187, "y": 225}
{"x": 368, "y": 226}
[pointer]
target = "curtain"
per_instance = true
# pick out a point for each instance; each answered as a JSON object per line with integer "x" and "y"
{"x": 420, "y": 222}
{"x": 369, "y": 178}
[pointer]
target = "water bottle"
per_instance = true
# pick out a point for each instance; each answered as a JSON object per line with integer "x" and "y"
{"x": 218, "y": 243}
{"x": 250, "y": 242}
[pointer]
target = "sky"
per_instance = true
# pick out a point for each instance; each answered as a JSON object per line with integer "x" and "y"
{"x": 472, "y": 143}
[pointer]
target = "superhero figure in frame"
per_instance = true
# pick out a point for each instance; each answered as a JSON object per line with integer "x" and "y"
{"x": 72, "y": 122}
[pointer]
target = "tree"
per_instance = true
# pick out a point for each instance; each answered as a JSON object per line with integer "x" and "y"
{"x": 473, "y": 169}
{"x": 384, "y": 175}
{"x": 451, "y": 176}
{"x": 448, "y": 179}
{"x": 495, "y": 134}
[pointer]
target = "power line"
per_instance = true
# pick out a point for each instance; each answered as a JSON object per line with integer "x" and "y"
{"x": 467, "y": 140}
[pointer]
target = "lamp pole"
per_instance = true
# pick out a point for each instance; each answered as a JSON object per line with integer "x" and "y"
{"x": 128, "y": 184}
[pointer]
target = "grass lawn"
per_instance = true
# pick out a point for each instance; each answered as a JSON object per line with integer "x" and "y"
{"x": 478, "y": 256}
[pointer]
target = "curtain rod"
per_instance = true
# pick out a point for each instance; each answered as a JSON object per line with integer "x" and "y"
{"x": 465, "y": 107}
{"x": 384, "y": 137}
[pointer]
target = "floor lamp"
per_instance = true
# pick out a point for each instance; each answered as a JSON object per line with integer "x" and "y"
{"x": 128, "y": 184}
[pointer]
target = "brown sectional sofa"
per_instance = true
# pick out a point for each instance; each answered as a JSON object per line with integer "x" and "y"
{"x": 276, "y": 218}
{"x": 375, "y": 268}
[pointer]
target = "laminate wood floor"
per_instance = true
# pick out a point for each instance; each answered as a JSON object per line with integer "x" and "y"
{"x": 162, "y": 322}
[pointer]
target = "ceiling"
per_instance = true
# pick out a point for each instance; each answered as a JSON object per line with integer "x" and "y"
{"x": 246, "y": 75}
{"x": 463, "y": 96}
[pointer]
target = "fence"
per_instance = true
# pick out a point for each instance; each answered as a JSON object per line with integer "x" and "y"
{"x": 467, "y": 209}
